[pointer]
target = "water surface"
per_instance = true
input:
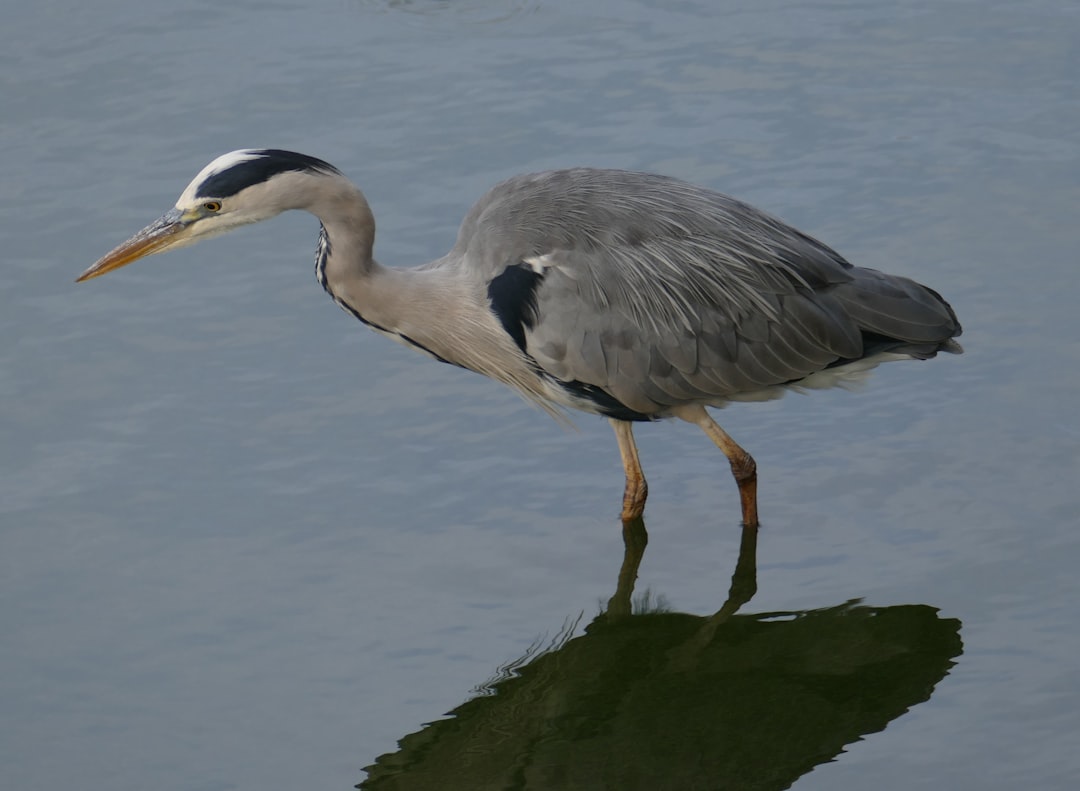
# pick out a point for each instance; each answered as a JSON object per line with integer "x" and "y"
{"x": 246, "y": 543}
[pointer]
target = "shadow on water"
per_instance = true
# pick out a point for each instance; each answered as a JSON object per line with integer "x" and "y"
{"x": 647, "y": 699}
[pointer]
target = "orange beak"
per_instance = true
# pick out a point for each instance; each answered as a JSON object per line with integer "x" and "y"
{"x": 154, "y": 238}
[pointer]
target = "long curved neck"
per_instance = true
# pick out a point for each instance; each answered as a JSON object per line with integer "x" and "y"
{"x": 400, "y": 303}
{"x": 435, "y": 308}
{"x": 347, "y": 236}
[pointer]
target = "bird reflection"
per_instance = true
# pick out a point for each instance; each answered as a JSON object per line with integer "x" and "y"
{"x": 650, "y": 699}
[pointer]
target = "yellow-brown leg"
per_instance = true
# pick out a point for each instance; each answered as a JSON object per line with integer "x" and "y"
{"x": 633, "y": 504}
{"x": 743, "y": 466}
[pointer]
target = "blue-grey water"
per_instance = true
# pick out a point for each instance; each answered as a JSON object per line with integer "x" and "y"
{"x": 246, "y": 543}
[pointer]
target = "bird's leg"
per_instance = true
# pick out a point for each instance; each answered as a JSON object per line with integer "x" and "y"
{"x": 633, "y": 504}
{"x": 743, "y": 466}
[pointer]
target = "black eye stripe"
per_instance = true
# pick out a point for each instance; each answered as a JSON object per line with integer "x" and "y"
{"x": 267, "y": 164}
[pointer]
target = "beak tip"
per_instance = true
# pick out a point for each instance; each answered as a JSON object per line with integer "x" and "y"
{"x": 154, "y": 238}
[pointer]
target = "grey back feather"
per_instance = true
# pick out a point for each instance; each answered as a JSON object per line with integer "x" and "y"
{"x": 661, "y": 292}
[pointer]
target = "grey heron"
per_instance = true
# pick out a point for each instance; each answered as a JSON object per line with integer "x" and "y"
{"x": 629, "y": 295}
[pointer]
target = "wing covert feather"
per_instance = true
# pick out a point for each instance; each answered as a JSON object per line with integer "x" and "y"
{"x": 660, "y": 292}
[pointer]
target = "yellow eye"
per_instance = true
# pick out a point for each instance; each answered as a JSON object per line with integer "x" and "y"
{"x": 212, "y": 205}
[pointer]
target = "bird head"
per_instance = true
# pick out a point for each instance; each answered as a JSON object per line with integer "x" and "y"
{"x": 237, "y": 188}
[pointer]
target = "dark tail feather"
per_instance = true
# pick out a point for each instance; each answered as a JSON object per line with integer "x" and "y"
{"x": 898, "y": 314}
{"x": 895, "y": 314}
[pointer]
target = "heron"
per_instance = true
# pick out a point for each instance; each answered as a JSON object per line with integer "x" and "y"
{"x": 629, "y": 295}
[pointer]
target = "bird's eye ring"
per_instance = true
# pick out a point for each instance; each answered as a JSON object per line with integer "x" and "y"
{"x": 212, "y": 205}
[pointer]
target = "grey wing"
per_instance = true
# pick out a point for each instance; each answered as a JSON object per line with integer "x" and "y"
{"x": 682, "y": 344}
{"x": 643, "y": 293}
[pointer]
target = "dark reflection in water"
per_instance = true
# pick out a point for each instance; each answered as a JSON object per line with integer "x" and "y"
{"x": 647, "y": 699}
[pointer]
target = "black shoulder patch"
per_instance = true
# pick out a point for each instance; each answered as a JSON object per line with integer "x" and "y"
{"x": 268, "y": 163}
{"x": 513, "y": 298}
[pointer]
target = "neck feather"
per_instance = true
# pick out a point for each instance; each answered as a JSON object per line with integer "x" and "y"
{"x": 348, "y": 228}
{"x": 436, "y": 308}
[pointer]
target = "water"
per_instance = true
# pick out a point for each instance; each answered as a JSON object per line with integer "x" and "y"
{"x": 246, "y": 543}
